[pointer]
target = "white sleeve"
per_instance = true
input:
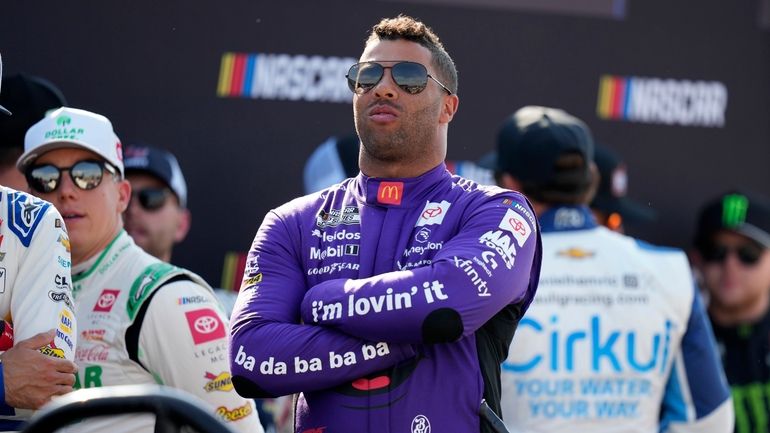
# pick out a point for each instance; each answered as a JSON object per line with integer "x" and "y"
{"x": 183, "y": 343}
{"x": 42, "y": 292}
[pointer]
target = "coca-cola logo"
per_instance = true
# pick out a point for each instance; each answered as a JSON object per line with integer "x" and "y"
{"x": 206, "y": 324}
{"x": 95, "y": 353}
{"x": 106, "y": 300}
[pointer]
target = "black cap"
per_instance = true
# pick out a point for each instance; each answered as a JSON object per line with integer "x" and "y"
{"x": 738, "y": 211}
{"x": 29, "y": 98}
{"x": 613, "y": 186}
{"x": 532, "y": 140}
{"x": 140, "y": 158}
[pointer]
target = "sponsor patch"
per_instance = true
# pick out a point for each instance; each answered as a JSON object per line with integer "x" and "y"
{"x": 516, "y": 224}
{"x": 218, "y": 382}
{"x": 205, "y": 325}
{"x": 94, "y": 353}
{"x": 228, "y": 415}
{"x": 61, "y": 297}
{"x": 433, "y": 213}
{"x": 65, "y": 242}
{"x": 106, "y": 300}
{"x": 93, "y": 334}
{"x": 423, "y": 235}
{"x": 575, "y": 253}
{"x": 253, "y": 280}
{"x": 349, "y": 215}
{"x": 24, "y": 214}
{"x": 185, "y": 300}
{"x": 390, "y": 193}
{"x": 52, "y": 351}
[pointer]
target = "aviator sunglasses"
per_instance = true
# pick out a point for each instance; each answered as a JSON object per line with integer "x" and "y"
{"x": 85, "y": 174}
{"x": 409, "y": 76}
{"x": 747, "y": 254}
{"x": 151, "y": 199}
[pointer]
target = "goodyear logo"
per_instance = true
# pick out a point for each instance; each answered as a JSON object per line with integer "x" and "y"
{"x": 221, "y": 382}
{"x": 52, "y": 351}
{"x": 662, "y": 101}
{"x": 390, "y": 192}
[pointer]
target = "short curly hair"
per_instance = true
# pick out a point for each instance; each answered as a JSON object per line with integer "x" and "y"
{"x": 410, "y": 29}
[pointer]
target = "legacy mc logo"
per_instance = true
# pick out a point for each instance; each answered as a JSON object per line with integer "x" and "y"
{"x": 662, "y": 101}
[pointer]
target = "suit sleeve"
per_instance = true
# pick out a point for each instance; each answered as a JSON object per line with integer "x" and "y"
{"x": 493, "y": 261}
{"x": 697, "y": 397}
{"x": 271, "y": 352}
{"x": 42, "y": 292}
{"x": 184, "y": 345}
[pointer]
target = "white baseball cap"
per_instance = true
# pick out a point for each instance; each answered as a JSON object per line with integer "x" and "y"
{"x": 70, "y": 127}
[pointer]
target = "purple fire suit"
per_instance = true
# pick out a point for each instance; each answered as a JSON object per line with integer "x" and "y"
{"x": 388, "y": 304}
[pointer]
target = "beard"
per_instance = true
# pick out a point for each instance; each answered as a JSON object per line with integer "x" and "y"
{"x": 413, "y": 136}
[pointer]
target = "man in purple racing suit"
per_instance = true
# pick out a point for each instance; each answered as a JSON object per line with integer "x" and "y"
{"x": 389, "y": 301}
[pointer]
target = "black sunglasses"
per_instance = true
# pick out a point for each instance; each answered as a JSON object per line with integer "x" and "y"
{"x": 151, "y": 198}
{"x": 748, "y": 254}
{"x": 410, "y": 76}
{"x": 86, "y": 174}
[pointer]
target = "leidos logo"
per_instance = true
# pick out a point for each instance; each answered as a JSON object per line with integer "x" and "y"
{"x": 662, "y": 101}
{"x": 390, "y": 192}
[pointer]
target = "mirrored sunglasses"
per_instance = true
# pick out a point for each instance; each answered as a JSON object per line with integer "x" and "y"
{"x": 85, "y": 174}
{"x": 411, "y": 77}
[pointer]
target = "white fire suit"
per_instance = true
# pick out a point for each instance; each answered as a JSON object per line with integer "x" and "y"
{"x": 144, "y": 321}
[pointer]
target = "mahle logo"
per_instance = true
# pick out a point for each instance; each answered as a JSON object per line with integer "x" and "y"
{"x": 63, "y": 121}
{"x": 734, "y": 208}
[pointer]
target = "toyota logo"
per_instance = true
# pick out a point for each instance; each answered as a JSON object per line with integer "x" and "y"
{"x": 430, "y": 213}
{"x": 206, "y": 324}
{"x": 106, "y": 300}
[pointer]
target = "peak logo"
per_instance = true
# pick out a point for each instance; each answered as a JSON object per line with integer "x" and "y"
{"x": 662, "y": 101}
{"x": 284, "y": 77}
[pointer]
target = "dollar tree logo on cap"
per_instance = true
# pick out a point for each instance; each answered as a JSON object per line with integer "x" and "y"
{"x": 63, "y": 121}
{"x": 734, "y": 208}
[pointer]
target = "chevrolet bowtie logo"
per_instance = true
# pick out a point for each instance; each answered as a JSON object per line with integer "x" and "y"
{"x": 390, "y": 192}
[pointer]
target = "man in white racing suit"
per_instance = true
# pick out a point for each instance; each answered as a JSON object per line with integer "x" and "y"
{"x": 616, "y": 339}
{"x": 35, "y": 306}
{"x": 142, "y": 321}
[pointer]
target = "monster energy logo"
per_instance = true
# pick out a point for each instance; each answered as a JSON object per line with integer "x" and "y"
{"x": 751, "y": 410}
{"x": 734, "y": 207}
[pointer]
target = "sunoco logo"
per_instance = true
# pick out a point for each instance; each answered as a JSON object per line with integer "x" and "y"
{"x": 284, "y": 76}
{"x": 662, "y": 101}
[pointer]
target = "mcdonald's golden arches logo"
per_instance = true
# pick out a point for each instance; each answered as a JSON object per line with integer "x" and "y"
{"x": 390, "y": 192}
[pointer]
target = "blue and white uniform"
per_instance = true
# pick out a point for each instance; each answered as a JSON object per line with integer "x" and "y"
{"x": 35, "y": 282}
{"x": 616, "y": 339}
